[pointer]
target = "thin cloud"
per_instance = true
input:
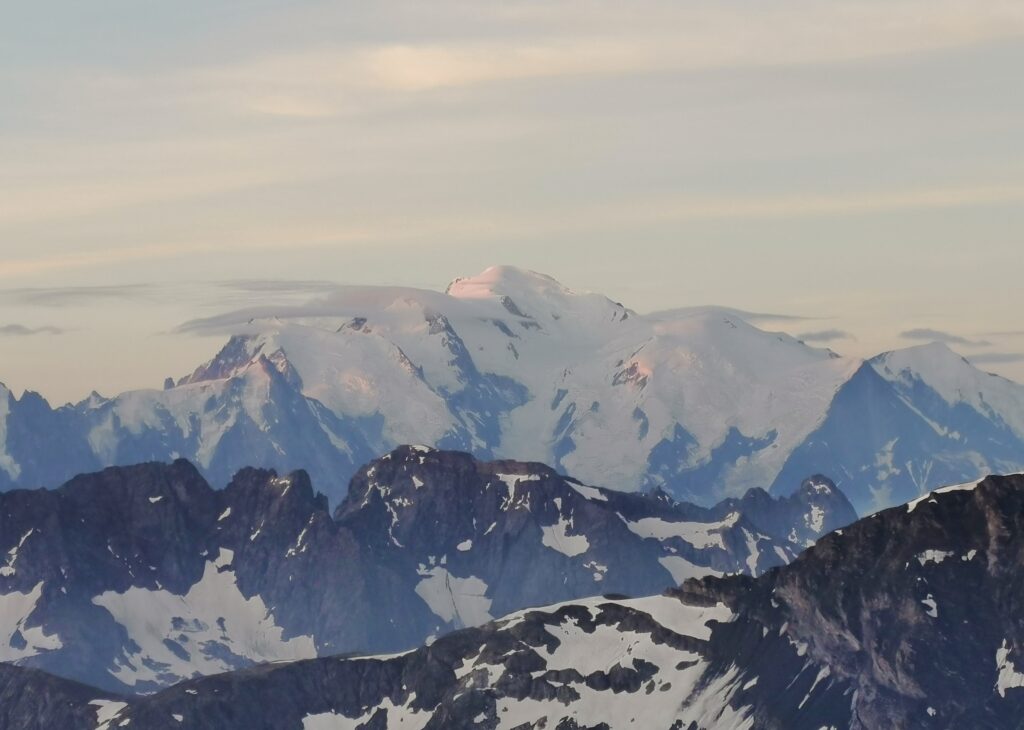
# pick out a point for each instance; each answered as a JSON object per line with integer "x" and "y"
{"x": 279, "y": 286}
{"x": 315, "y": 80}
{"x": 564, "y": 220}
{"x": 731, "y": 312}
{"x": 256, "y": 292}
{"x": 925, "y": 334}
{"x": 997, "y": 357}
{"x": 825, "y": 336}
{"x": 214, "y": 293}
{"x": 20, "y": 330}
{"x": 245, "y": 319}
{"x": 342, "y": 300}
{"x": 73, "y": 296}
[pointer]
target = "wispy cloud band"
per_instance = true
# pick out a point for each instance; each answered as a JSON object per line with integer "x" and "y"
{"x": 830, "y": 335}
{"x": 995, "y": 358}
{"x": 20, "y": 330}
{"x": 925, "y": 334}
{"x": 563, "y": 220}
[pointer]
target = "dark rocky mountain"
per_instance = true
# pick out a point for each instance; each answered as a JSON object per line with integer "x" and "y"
{"x": 697, "y": 402}
{"x": 816, "y": 508}
{"x": 135, "y": 578}
{"x": 909, "y": 618}
{"x": 31, "y": 699}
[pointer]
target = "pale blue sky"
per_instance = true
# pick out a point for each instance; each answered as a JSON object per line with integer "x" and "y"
{"x": 857, "y": 162}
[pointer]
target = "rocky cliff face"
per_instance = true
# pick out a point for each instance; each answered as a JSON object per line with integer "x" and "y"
{"x": 815, "y": 509}
{"x": 914, "y": 611}
{"x": 909, "y": 618}
{"x": 135, "y": 578}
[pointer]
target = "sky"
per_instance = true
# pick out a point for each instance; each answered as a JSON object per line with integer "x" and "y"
{"x": 856, "y": 166}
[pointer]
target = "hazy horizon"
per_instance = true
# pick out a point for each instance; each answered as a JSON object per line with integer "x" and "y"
{"x": 857, "y": 163}
{"x": 167, "y": 345}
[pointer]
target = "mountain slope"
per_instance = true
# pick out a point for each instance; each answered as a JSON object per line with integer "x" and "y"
{"x": 135, "y": 578}
{"x": 906, "y": 619}
{"x": 922, "y": 416}
{"x": 511, "y": 364}
{"x": 33, "y": 699}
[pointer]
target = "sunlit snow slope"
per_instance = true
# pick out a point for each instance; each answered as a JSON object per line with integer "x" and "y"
{"x": 512, "y": 364}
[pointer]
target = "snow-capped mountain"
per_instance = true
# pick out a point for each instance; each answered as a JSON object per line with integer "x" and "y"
{"x": 135, "y": 578}
{"x": 511, "y": 364}
{"x": 906, "y": 619}
{"x": 911, "y": 419}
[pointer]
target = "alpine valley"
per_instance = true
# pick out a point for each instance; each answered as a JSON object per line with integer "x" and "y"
{"x": 510, "y": 364}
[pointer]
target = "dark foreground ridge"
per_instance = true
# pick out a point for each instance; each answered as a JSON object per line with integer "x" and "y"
{"x": 135, "y": 578}
{"x": 909, "y": 618}
{"x": 30, "y": 699}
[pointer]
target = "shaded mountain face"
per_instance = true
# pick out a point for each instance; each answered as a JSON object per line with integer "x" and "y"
{"x": 922, "y": 416}
{"x": 511, "y": 364}
{"x": 909, "y": 618}
{"x": 30, "y": 698}
{"x": 135, "y": 578}
{"x": 816, "y": 508}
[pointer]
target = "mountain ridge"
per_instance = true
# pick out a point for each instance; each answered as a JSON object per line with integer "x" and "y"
{"x": 906, "y": 619}
{"x": 511, "y": 364}
{"x": 134, "y": 578}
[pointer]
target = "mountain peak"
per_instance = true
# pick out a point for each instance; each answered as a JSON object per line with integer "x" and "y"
{"x": 532, "y": 295}
{"x": 512, "y": 364}
{"x": 818, "y": 484}
{"x": 496, "y": 281}
{"x": 926, "y": 350}
{"x": 954, "y": 378}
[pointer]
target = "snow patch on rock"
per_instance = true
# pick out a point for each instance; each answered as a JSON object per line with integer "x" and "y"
{"x": 557, "y": 538}
{"x": 212, "y": 628}
{"x": 1009, "y": 677}
{"x": 18, "y": 640}
{"x": 462, "y": 601}
{"x": 698, "y": 534}
{"x": 933, "y": 556}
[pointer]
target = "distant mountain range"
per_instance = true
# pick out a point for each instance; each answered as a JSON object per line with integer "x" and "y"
{"x": 907, "y": 619}
{"x": 510, "y": 364}
{"x": 135, "y": 578}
